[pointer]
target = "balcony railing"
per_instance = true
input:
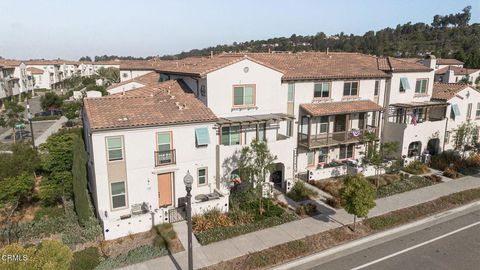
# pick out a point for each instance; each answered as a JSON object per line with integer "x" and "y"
{"x": 166, "y": 157}
{"x": 334, "y": 138}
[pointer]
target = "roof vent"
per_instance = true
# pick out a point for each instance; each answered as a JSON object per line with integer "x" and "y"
{"x": 172, "y": 97}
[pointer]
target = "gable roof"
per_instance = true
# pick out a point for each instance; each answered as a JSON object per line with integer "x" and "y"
{"x": 35, "y": 70}
{"x": 146, "y": 79}
{"x": 6, "y": 63}
{"x": 448, "y": 61}
{"x": 167, "y": 103}
{"x": 446, "y": 91}
{"x": 391, "y": 64}
{"x": 457, "y": 71}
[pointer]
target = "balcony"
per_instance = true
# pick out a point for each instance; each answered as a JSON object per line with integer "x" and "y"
{"x": 163, "y": 158}
{"x": 335, "y": 138}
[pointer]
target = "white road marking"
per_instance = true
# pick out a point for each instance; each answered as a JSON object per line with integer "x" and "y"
{"x": 416, "y": 246}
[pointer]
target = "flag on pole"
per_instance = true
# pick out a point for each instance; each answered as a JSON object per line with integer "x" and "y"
{"x": 414, "y": 118}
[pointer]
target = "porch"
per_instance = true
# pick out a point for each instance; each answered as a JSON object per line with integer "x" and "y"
{"x": 334, "y": 123}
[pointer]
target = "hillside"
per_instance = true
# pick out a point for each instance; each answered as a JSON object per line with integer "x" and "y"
{"x": 448, "y": 36}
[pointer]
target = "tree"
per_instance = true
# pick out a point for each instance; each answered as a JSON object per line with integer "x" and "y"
{"x": 56, "y": 187}
{"x": 12, "y": 116}
{"x": 376, "y": 155}
{"x": 49, "y": 100}
{"x": 85, "y": 59}
{"x": 23, "y": 159}
{"x": 59, "y": 152}
{"x": 79, "y": 171}
{"x": 465, "y": 137}
{"x": 256, "y": 163}
{"x": 71, "y": 110}
{"x": 110, "y": 75}
{"x": 359, "y": 196}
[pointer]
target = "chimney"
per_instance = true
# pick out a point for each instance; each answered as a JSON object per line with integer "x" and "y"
{"x": 327, "y": 50}
{"x": 211, "y": 54}
{"x": 450, "y": 76}
{"x": 430, "y": 61}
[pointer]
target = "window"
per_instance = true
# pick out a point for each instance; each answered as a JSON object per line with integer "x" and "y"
{"x": 377, "y": 88}
{"x": 164, "y": 148}
{"x": 119, "y": 197}
{"x": 261, "y": 132}
{"x": 291, "y": 92}
{"x": 421, "y": 86}
{"x": 350, "y": 89}
{"x": 374, "y": 119}
{"x": 321, "y": 90}
{"x": 447, "y": 137}
{"x": 477, "y": 112}
{"x": 420, "y": 114}
{"x": 361, "y": 120}
{"x": 346, "y": 151}
{"x": 469, "y": 110}
{"x": 244, "y": 95}
{"x": 454, "y": 111}
{"x": 323, "y": 124}
{"x": 231, "y": 135}
{"x": 289, "y": 128}
{"x": 414, "y": 149}
{"x": 115, "y": 148}
{"x": 404, "y": 85}
{"x": 201, "y": 136}
{"x": 202, "y": 176}
{"x": 322, "y": 155}
{"x": 310, "y": 160}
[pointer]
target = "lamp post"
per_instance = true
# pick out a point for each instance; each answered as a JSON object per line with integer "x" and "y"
{"x": 30, "y": 116}
{"x": 188, "y": 181}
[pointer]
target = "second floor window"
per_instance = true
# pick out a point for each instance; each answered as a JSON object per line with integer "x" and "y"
{"x": 350, "y": 89}
{"x": 321, "y": 90}
{"x": 261, "y": 132}
{"x": 243, "y": 95}
{"x": 231, "y": 135}
{"x": 164, "y": 148}
{"x": 115, "y": 148}
{"x": 421, "y": 86}
{"x": 323, "y": 124}
{"x": 377, "y": 88}
{"x": 477, "y": 112}
{"x": 291, "y": 92}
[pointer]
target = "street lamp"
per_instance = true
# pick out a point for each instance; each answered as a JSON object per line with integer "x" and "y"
{"x": 188, "y": 181}
{"x": 30, "y": 116}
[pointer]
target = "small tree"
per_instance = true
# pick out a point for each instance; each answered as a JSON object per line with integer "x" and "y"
{"x": 12, "y": 116}
{"x": 59, "y": 149}
{"x": 376, "y": 157}
{"x": 256, "y": 163}
{"x": 359, "y": 196}
{"x": 49, "y": 100}
{"x": 464, "y": 137}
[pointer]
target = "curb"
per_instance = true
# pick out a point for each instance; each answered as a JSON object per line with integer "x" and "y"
{"x": 364, "y": 240}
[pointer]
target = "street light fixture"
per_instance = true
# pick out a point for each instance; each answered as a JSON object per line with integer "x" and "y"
{"x": 188, "y": 181}
{"x": 30, "y": 117}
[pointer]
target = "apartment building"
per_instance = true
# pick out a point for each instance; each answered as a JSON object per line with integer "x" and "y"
{"x": 51, "y": 72}
{"x": 15, "y": 79}
{"x": 455, "y": 74}
{"x": 133, "y": 69}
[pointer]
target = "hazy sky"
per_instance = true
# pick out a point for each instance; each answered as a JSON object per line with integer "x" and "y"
{"x": 70, "y": 29}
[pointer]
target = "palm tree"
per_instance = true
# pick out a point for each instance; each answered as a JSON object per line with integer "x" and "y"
{"x": 109, "y": 75}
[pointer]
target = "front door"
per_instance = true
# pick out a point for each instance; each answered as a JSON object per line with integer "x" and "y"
{"x": 165, "y": 189}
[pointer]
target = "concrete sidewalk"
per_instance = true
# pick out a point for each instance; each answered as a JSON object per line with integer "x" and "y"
{"x": 328, "y": 219}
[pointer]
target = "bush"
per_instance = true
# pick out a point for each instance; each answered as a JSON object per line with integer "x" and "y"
{"x": 405, "y": 185}
{"x": 79, "y": 172}
{"x": 210, "y": 220}
{"x": 332, "y": 187}
{"x": 48, "y": 212}
{"x": 138, "y": 255}
{"x": 443, "y": 160}
{"x": 308, "y": 209}
{"x": 434, "y": 178}
{"x": 450, "y": 173}
{"x": 416, "y": 168}
{"x": 473, "y": 160}
{"x": 86, "y": 259}
{"x": 222, "y": 233}
{"x": 334, "y": 202}
{"x": 300, "y": 192}
{"x": 241, "y": 217}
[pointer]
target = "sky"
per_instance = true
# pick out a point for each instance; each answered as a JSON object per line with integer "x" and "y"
{"x": 70, "y": 29}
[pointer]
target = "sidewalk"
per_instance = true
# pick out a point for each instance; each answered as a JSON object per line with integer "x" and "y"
{"x": 328, "y": 219}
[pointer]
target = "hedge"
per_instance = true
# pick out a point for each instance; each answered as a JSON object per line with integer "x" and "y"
{"x": 79, "y": 172}
{"x": 222, "y": 233}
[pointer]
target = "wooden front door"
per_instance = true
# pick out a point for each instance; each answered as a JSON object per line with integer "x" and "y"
{"x": 165, "y": 189}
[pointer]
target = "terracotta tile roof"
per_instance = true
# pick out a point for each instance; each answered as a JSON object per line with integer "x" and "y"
{"x": 457, "y": 71}
{"x": 35, "y": 70}
{"x": 170, "y": 102}
{"x": 341, "y": 107}
{"x": 6, "y": 63}
{"x": 146, "y": 79}
{"x": 446, "y": 91}
{"x": 390, "y": 64}
{"x": 141, "y": 64}
{"x": 448, "y": 61}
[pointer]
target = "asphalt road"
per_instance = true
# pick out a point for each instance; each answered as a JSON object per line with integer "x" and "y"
{"x": 452, "y": 244}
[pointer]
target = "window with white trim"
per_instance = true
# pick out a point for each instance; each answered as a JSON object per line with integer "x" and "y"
{"x": 321, "y": 90}
{"x": 421, "y": 86}
{"x": 346, "y": 151}
{"x": 202, "y": 176}
{"x": 115, "y": 148}
{"x": 231, "y": 135}
{"x": 350, "y": 89}
{"x": 118, "y": 195}
{"x": 244, "y": 95}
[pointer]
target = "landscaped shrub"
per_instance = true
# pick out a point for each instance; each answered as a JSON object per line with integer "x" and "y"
{"x": 450, "y": 173}
{"x": 404, "y": 185}
{"x": 48, "y": 212}
{"x": 434, "y": 178}
{"x": 300, "y": 192}
{"x": 334, "y": 202}
{"x": 308, "y": 209}
{"x": 86, "y": 259}
{"x": 210, "y": 220}
{"x": 332, "y": 187}
{"x": 222, "y": 233}
{"x": 473, "y": 160}
{"x": 137, "y": 255}
{"x": 241, "y": 217}
{"x": 79, "y": 172}
{"x": 416, "y": 167}
{"x": 445, "y": 159}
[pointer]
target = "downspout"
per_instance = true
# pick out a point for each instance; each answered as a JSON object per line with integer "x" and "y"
{"x": 446, "y": 128}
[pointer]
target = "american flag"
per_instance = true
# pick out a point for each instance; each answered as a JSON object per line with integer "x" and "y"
{"x": 414, "y": 118}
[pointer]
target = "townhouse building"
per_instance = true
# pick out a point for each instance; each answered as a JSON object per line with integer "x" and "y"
{"x": 133, "y": 69}
{"x": 455, "y": 74}
{"x": 51, "y": 72}
{"x": 15, "y": 79}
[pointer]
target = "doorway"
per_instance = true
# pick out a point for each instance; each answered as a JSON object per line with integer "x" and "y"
{"x": 165, "y": 191}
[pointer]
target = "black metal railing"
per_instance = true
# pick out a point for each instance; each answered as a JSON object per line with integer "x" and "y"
{"x": 166, "y": 157}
